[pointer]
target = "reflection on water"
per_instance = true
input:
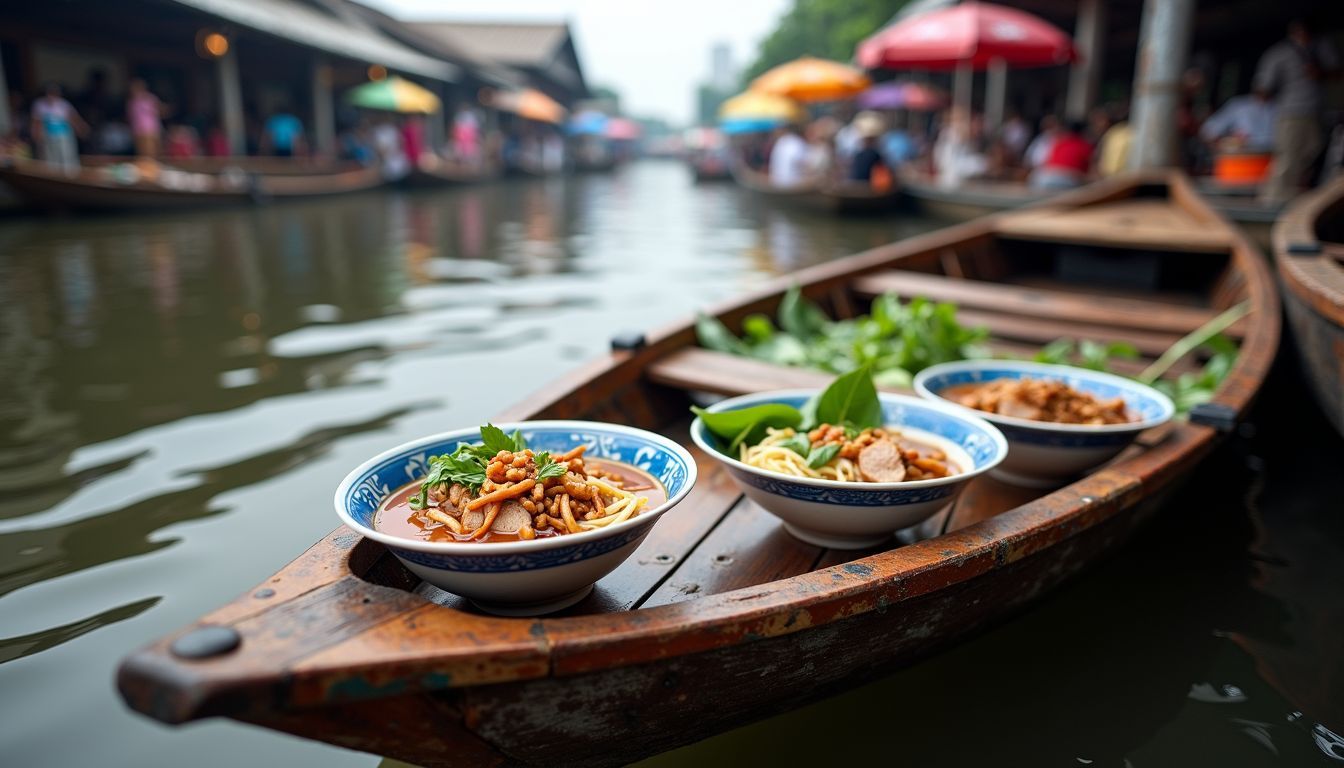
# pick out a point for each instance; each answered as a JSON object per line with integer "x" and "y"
{"x": 178, "y": 394}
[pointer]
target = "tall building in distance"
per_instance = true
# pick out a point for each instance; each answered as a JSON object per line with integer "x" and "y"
{"x": 721, "y": 84}
{"x": 722, "y": 73}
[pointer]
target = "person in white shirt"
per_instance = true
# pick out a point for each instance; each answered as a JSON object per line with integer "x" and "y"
{"x": 1038, "y": 151}
{"x": 788, "y": 159}
{"x": 1250, "y": 119}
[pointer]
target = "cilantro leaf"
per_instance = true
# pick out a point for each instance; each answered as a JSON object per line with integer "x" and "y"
{"x": 547, "y": 468}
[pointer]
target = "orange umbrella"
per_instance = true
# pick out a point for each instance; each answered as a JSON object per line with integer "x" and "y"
{"x": 533, "y": 105}
{"x": 811, "y": 79}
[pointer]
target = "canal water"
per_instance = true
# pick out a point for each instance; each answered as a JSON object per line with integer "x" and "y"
{"x": 179, "y": 395}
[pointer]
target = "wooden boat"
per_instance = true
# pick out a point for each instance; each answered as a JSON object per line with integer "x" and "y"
{"x": 849, "y": 198}
{"x": 721, "y": 617}
{"x": 982, "y": 197}
{"x": 103, "y": 187}
{"x": 1309, "y": 249}
{"x": 448, "y": 173}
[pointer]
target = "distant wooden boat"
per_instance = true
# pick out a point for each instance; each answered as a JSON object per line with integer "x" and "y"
{"x": 1309, "y": 249}
{"x": 982, "y": 197}
{"x": 447, "y": 173}
{"x": 721, "y": 617}
{"x": 849, "y": 198}
{"x": 121, "y": 187}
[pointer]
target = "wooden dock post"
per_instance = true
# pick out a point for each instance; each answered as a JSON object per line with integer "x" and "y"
{"x": 1085, "y": 74}
{"x": 1164, "y": 42}
{"x": 324, "y": 112}
{"x": 231, "y": 101}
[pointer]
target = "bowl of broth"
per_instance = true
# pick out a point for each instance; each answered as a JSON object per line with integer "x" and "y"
{"x": 521, "y": 519}
{"x": 1060, "y": 421}
{"x": 872, "y": 482}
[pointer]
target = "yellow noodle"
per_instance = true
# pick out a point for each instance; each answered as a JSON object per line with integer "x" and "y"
{"x": 770, "y": 455}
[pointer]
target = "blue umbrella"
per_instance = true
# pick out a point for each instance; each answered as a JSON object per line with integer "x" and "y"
{"x": 588, "y": 123}
{"x": 736, "y": 125}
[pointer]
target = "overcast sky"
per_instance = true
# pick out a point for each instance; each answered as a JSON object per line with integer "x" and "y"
{"x": 653, "y": 52}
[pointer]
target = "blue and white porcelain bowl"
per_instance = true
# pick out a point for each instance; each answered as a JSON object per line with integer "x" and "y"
{"x": 856, "y": 515}
{"x": 523, "y": 578}
{"x": 1043, "y": 454}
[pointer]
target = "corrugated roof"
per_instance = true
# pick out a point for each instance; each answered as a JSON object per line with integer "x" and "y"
{"x": 343, "y": 34}
{"x": 528, "y": 45}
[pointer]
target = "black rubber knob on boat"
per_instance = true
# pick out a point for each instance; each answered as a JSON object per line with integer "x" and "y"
{"x": 628, "y": 342}
{"x": 206, "y": 642}
{"x": 1221, "y": 417}
{"x": 1304, "y": 247}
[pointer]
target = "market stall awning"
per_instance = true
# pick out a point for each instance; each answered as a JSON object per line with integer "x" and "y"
{"x": 340, "y": 35}
{"x": 973, "y": 34}
{"x": 394, "y": 94}
{"x": 809, "y": 79}
{"x": 915, "y": 96}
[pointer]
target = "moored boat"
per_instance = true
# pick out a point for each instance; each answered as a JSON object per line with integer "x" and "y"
{"x": 844, "y": 198}
{"x": 982, "y": 197}
{"x": 721, "y": 617}
{"x": 448, "y": 173}
{"x": 1309, "y": 250}
{"x": 125, "y": 186}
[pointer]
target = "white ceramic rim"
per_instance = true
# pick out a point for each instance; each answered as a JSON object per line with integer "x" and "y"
{"x": 460, "y": 548}
{"x": 1168, "y": 407}
{"x": 956, "y": 413}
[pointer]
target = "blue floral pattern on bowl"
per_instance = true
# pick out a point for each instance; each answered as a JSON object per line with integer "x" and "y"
{"x": 531, "y": 561}
{"x": 837, "y": 495}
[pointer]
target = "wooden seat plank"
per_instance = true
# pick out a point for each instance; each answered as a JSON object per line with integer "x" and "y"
{"x": 749, "y": 546}
{"x": 1045, "y": 331}
{"x": 703, "y": 370}
{"x": 1155, "y": 224}
{"x": 1121, "y": 365}
{"x": 1042, "y": 303}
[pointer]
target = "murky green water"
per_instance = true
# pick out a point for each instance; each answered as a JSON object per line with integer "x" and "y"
{"x": 170, "y": 386}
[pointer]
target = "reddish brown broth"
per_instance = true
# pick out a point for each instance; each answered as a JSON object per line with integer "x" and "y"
{"x": 395, "y": 516}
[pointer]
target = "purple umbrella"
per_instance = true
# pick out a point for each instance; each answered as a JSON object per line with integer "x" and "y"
{"x": 883, "y": 96}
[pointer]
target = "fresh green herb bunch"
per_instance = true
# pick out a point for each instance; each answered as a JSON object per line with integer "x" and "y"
{"x": 897, "y": 340}
{"x": 467, "y": 465}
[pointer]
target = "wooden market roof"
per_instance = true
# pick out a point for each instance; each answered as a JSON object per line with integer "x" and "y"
{"x": 543, "y": 50}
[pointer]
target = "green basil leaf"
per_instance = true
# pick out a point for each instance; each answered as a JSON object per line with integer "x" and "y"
{"x": 494, "y": 440}
{"x": 799, "y": 444}
{"x": 850, "y": 399}
{"x": 800, "y": 317}
{"x": 747, "y": 424}
{"x": 822, "y": 454}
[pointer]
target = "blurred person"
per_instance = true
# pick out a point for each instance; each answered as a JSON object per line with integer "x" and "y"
{"x": 1247, "y": 121}
{"x": 1039, "y": 148}
{"x": 1099, "y": 121}
{"x": 956, "y": 155}
{"x": 466, "y": 135}
{"x": 847, "y": 139}
{"x": 1114, "y": 148}
{"x": 144, "y": 112}
{"x": 788, "y": 158}
{"x": 413, "y": 137}
{"x": 183, "y": 142}
{"x": 868, "y": 165}
{"x": 54, "y": 124}
{"x": 1069, "y": 160}
{"x": 1014, "y": 135}
{"x": 390, "y": 151}
{"x": 898, "y": 147}
{"x": 282, "y": 135}
{"x": 820, "y": 153}
{"x": 1291, "y": 72}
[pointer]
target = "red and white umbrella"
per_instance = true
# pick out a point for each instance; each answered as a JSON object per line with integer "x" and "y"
{"x": 972, "y": 33}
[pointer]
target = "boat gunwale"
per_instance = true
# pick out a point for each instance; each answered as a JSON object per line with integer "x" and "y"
{"x": 528, "y": 649}
{"x": 1305, "y": 275}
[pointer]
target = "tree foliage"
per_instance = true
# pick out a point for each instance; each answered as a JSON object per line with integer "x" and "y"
{"x": 829, "y": 29}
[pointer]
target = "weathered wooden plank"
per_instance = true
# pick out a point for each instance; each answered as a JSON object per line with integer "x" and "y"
{"x": 1153, "y": 224}
{"x": 748, "y": 547}
{"x": 1040, "y": 303}
{"x": 1045, "y": 331}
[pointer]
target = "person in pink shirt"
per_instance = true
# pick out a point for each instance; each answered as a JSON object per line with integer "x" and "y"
{"x": 144, "y": 112}
{"x": 413, "y": 137}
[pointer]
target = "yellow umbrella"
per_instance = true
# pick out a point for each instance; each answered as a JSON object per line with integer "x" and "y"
{"x": 811, "y": 79}
{"x": 761, "y": 106}
{"x": 533, "y": 105}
